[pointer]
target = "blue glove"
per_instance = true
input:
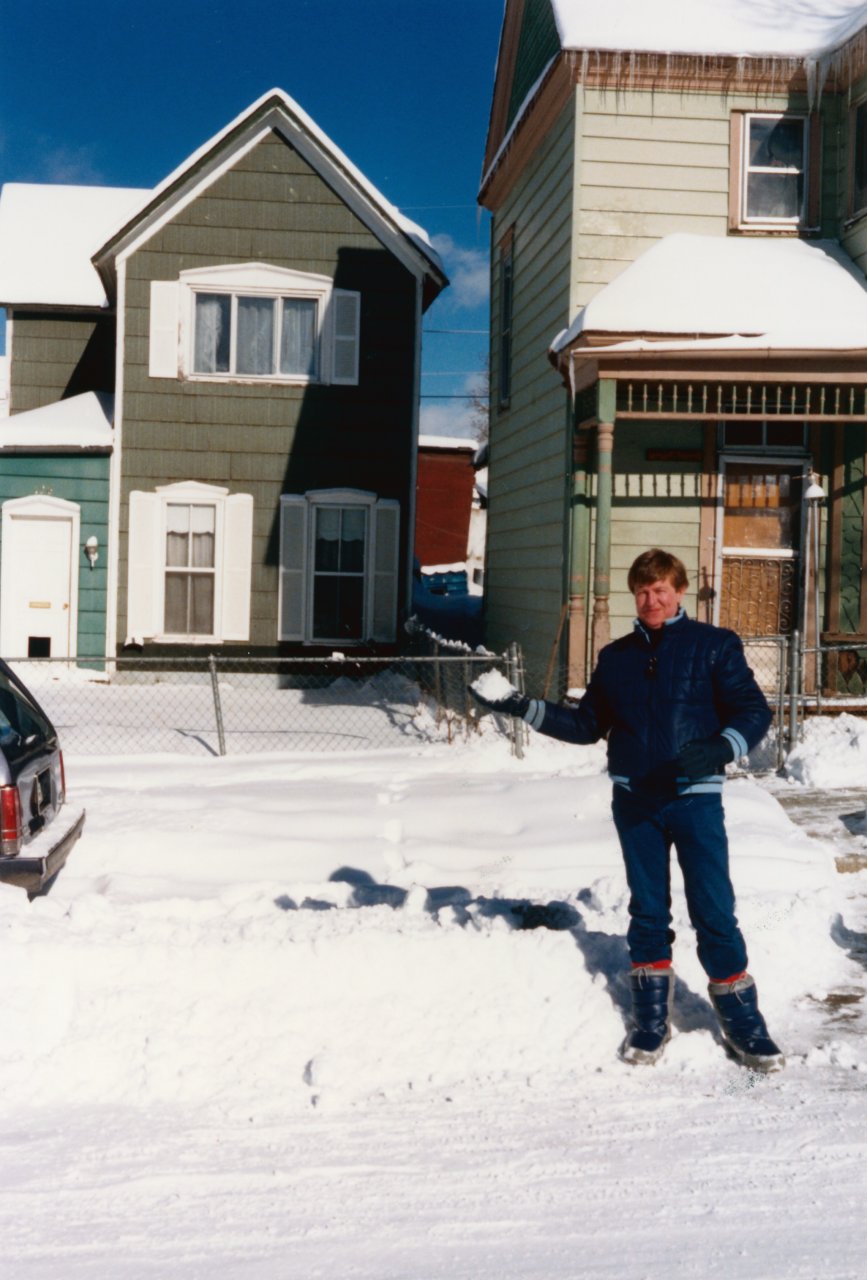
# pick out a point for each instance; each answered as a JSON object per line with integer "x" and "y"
{"x": 704, "y": 758}
{"x": 513, "y": 704}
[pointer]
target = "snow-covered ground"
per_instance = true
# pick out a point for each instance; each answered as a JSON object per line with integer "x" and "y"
{"x": 357, "y": 1015}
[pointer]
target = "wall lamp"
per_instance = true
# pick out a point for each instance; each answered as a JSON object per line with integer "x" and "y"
{"x": 91, "y": 549}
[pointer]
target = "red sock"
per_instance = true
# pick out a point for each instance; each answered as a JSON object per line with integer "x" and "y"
{"x": 651, "y": 964}
{"x": 735, "y": 977}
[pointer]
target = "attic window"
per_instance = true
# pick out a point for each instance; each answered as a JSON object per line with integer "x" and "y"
{"x": 251, "y": 322}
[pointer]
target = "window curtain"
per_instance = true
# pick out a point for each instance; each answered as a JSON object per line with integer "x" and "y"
{"x": 298, "y": 337}
{"x": 254, "y": 352}
{"x": 213, "y": 311}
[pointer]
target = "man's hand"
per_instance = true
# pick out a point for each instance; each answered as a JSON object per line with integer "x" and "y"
{"x": 511, "y": 704}
{"x": 705, "y": 757}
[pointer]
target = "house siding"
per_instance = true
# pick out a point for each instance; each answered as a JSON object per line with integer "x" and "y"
{"x": 537, "y": 45}
{"x": 54, "y": 356}
{"x": 82, "y": 479}
{"x": 525, "y": 556}
{"x": 653, "y": 164}
{"x": 266, "y": 439}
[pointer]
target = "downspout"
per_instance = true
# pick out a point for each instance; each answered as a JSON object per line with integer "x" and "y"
{"x": 607, "y": 411}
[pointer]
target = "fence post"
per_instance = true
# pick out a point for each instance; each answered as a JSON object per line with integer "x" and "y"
{"x": 515, "y": 674}
{"x": 218, "y": 709}
{"x": 794, "y": 688}
{"x": 781, "y": 700}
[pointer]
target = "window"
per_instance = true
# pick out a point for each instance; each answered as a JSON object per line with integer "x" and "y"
{"x": 339, "y": 552}
{"x": 775, "y": 171}
{"x": 191, "y": 530}
{"x": 858, "y": 136}
{"x": 505, "y": 320}
{"x": 254, "y": 321}
{"x": 190, "y": 564}
{"x": 775, "y": 166}
{"x": 764, "y": 435}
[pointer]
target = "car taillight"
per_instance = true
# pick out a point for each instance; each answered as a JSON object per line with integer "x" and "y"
{"x": 61, "y": 799}
{"x": 10, "y": 821}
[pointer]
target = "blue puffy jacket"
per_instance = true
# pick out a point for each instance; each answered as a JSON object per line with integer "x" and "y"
{"x": 655, "y": 691}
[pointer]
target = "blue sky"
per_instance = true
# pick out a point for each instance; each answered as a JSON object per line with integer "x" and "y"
{"x": 119, "y": 92}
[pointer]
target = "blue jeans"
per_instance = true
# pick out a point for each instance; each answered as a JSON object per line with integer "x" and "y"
{"x": 696, "y": 827}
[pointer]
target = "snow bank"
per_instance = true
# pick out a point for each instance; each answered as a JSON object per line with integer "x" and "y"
{"x": 832, "y": 753}
{"x": 294, "y": 930}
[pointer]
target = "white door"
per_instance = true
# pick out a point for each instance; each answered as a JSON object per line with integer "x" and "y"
{"x": 39, "y": 578}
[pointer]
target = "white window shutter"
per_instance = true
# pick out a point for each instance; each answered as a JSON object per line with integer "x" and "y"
{"x": 386, "y": 550}
{"x": 144, "y": 587}
{"x": 293, "y": 567}
{"x": 237, "y": 567}
{"x": 163, "y": 345}
{"x": 346, "y": 309}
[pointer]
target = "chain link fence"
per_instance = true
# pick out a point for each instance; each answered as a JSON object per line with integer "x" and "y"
{"x": 232, "y": 706}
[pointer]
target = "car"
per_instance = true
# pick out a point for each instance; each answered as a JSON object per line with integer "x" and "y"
{"x": 37, "y": 827}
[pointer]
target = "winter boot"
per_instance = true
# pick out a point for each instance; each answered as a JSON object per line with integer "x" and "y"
{"x": 743, "y": 1027}
{"x": 649, "y": 1033}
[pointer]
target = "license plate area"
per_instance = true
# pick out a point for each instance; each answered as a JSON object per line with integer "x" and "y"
{"x": 40, "y": 796}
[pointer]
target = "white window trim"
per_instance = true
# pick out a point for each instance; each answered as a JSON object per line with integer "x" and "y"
{"x": 800, "y": 219}
{"x": 259, "y": 279}
{"x": 312, "y": 500}
{"x": 150, "y": 559}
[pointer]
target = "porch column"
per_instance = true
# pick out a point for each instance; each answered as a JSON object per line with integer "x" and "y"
{"x": 580, "y": 537}
{"x": 602, "y": 565}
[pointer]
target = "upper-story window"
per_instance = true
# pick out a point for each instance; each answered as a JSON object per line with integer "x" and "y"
{"x": 858, "y": 169}
{"x": 505, "y": 320}
{"x": 252, "y": 321}
{"x": 775, "y": 171}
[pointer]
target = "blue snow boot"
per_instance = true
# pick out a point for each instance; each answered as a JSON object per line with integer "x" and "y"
{"x": 650, "y": 1030}
{"x": 743, "y": 1027}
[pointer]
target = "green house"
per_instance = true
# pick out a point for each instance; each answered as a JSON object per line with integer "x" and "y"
{"x": 678, "y": 318}
{"x": 250, "y": 330}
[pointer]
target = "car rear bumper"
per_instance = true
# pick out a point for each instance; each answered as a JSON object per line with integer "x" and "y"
{"x": 43, "y": 857}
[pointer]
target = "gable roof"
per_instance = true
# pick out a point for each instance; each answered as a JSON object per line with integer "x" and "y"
{"x": 724, "y": 293}
{"x": 276, "y": 111}
{"x": 48, "y": 234}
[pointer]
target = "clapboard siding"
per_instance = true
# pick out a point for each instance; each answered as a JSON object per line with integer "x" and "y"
{"x": 525, "y": 532}
{"x": 80, "y": 478}
{"x": 265, "y": 438}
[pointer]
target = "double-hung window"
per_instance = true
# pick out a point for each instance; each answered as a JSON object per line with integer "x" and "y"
{"x": 775, "y": 171}
{"x": 190, "y": 564}
{"x": 858, "y": 165}
{"x": 339, "y": 553}
{"x": 252, "y": 321}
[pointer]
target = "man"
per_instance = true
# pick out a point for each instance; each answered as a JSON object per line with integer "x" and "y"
{"x": 677, "y": 702}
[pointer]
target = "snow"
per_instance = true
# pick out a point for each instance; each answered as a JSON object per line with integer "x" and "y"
{"x": 79, "y": 422}
{"x": 493, "y": 685}
{"x": 48, "y": 234}
{"x": 738, "y": 28}
{"x": 762, "y": 293}
{"x": 279, "y": 1016}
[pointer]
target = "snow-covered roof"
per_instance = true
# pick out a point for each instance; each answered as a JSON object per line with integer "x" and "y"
{"x": 735, "y": 28}
{"x": 80, "y": 422}
{"x": 48, "y": 234}
{"x": 724, "y": 292}
{"x": 447, "y": 442}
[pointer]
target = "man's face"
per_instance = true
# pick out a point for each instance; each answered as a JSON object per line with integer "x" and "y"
{"x": 657, "y": 601}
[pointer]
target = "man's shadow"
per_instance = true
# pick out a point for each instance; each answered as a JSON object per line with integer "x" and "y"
{"x": 603, "y": 953}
